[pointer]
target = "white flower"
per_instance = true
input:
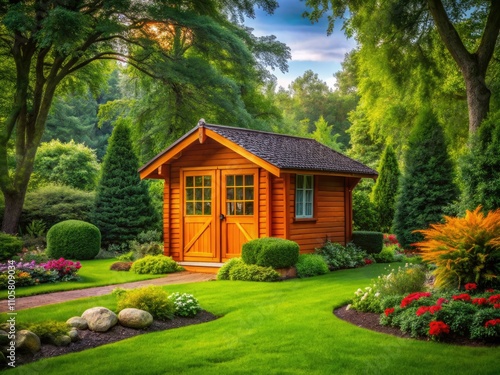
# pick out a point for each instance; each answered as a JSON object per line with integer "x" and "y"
{"x": 377, "y": 294}
{"x": 348, "y": 307}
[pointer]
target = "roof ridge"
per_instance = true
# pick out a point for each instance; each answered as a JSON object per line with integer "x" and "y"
{"x": 262, "y": 132}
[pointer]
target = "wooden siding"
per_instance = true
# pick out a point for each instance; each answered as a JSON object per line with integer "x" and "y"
{"x": 278, "y": 227}
{"x": 329, "y": 216}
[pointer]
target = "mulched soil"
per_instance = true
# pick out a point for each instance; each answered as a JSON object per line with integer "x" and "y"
{"x": 90, "y": 339}
{"x": 371, "y": 321}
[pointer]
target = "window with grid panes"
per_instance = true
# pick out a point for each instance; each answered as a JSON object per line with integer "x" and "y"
{"x": 304, "y": 196}
{"x": 239, "y": 195}
{"x": 198, "y": 190}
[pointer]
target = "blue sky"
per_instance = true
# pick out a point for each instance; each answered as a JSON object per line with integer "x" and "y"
{"x": 310, "y": 46}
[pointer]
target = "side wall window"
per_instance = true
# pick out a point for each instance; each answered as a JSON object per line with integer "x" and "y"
{"x": 304, "y": 196}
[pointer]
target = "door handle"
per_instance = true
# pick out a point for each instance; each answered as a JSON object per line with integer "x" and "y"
{"x": 222, "y": 217}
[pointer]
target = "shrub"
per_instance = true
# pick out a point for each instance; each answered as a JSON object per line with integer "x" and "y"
{"x": 311, "y": 265}
{"x": 364, "y": 215}
{"x": 252, "y": 272}
{"x": 270, "y": 252}
{"x": 223, "y": 273}
{"x": 408, "y": 279}
{"x": 371, "y": 242}
{"x": 9, "y": 246}
{"x": 185, "y": 304}
{"x": 53, "y": 204}
{"x": 147, "y": 248}
{"x": 337, "y": 256}
{"x": 149, "y": 236}
{"x": 66, "y": 269}
{"x": 73, "y": 239}
{"x": 152, "y": 299}
{"x": 465, "y": 250}
{"x": 389, "y": 254}
{"x": 155, "y": 264}
{"x": 48, "y": 330}
{"x": 121, "y": 266}
{"x": 367, "y": 300}
{"x": 127, "y": 257}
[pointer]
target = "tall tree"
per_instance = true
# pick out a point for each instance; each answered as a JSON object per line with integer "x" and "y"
{"x": 427, "y": 185}
{"x": 468, "y": 29}
{"x": 46, "y": 42}
{"x": 386, "y": 189}
{"x": 123, "y": 206}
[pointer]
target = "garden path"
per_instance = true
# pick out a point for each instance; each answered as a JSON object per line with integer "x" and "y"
{"x": 57, "y": 297}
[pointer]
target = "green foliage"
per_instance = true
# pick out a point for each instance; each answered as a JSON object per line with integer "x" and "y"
{"x": 9, "y": 246}
{"x": 386, "y": 188}
{"x": 364, "y": 215}
{"x": 223, "y": 273}
{"x": 323, "y": 134}
{"x": 71, "y": 164}
{"x": 127, "y": 257}
{"x": 480, "y": 167}
{"x": 371, "y": 242}
{"x": 149, "y": 236}
{"x": 140, "y": 250}
{"x": 389, "y": 254}
{"x": 155, "y": 264}
{"x": 252, "y": 272}
{"x": 427, "y": 185}
{"x": 367, "y": 300}
{"x": 122, "y": 207}
{"x": 53, "y": 204}
{"x": 185, "y": 304}
{"x": 311, "y": 265}
{"x": 47, "y": 331}
{"x": 464, "y": 250}
{"x": 270, "y": 252}
{"x": 478, "y": 328}
{"x": 408, "y": 279}
{"x": 337, "y": 256}
{"x": 152, "y": 299}
{"x": 73, "y": 239}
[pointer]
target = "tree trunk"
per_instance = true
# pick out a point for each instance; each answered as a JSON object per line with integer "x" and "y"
{"x": 478, "y": 101}
{"x": 12, "y": 214}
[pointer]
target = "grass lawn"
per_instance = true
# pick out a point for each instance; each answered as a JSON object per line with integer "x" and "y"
{"x": 265, "y": 328}
{"x": 93, "y": 273}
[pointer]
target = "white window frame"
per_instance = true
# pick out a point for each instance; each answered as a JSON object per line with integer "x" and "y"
{"x": 304, "y": 202}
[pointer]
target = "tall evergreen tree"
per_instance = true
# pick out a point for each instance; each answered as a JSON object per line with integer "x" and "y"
{"x": 427, "y": 185}
{"x": 123, "y": 206}
{"x": 386, "y": 189}
{"x": 481, "y": 167}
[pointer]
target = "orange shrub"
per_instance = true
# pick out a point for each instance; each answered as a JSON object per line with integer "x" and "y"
{"x": 465, "y": 250}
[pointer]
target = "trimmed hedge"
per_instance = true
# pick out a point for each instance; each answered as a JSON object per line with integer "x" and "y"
{"x": 9, "y": 246}
{"x": 270, "y": 252}
{"x": 73, "y": 239}
{"x": 371, "y": 242}
{"x": 155, "y": 264}
{"x": 311, "y": 265}
{"x": 252, "y": 272}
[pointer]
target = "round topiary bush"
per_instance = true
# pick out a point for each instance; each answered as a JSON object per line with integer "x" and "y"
{"x": 311, "y": 265}
{"x": 270, "y": 252}
{"x": 9, "y": 246}
{"x": 73, "y": 239}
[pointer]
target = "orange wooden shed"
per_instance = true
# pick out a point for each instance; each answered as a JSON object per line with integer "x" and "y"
{"x": 225, "y": 186}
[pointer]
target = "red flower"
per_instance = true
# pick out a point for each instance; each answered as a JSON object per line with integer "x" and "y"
{"x": 434, "y": 309}
{"x": 471, "y": 286}
{"x": 422, "y": 310}
{"x": 490, "y": 290}
{"x": 492, "y": 322}
{"x": 480, "y": 301}
{"x": 462, "y": 297}
{"x": 389, "y": 311}
{"x": 368, "y": 261}
{"x": 413, "y": 297}
{"x": 494, "y": 299}
{"x": 438, "y": 327}
{"x": 441, "y": 300}
{"x": 496, "y": 306}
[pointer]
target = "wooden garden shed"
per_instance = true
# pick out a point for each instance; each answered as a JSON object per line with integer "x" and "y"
{"x": 225, "y": 186}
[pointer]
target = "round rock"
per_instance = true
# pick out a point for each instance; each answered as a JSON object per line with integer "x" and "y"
{"x": 4, "y": 338}
{"x": 100, "y": 319}
{"x": 63, "y": 340}
{"x": 73, "y": 335}
{"x": 77, "y": 322}
{"x": 135, "y": 318}
{"x": 27, "y": 341}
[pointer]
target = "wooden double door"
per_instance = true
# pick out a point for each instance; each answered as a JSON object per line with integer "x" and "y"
{"x": 219, "y": 213}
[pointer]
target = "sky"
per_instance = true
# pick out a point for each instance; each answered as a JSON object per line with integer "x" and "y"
{"x": 311, "y": 48}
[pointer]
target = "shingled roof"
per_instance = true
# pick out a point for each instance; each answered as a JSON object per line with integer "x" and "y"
{"x": 284, "y": 151}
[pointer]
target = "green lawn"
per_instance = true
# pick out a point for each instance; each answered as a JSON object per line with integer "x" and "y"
{"x": 93, "y": 273}
{"x": 265, "y": 328}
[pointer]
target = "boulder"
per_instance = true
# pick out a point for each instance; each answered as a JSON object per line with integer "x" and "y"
{"x": 100, "y": 319}
{"x": 135, "y": 318}
{"x": 73, "y": 335}
{"x": 63, "y": 340}
{"x": 77, "y": 322}
{"x": 4, "y": 338}
{"x": 27, "y": 341}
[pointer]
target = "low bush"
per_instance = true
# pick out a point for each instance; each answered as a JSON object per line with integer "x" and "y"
{"x": 152, "y": 299}
{"x": 9, "y": 246}
{"x": 127, "y": 257}
{"x": 311, "y": 265}
{"x": 73, "y": 239}
{"x": 155, "y": 264}
{"x": 252, "y": 272}
{"x": 270, "y": 252}
{"x": 371, "y": 242}
{"x": 223, "y": 273}
{"x": 149, "y": 236}
{"x": 185, "y": 304}
{"x": 38, "y": 256}
{"x": 121, "y": 266}
{"x": 48, "y": 330}
{"x": 141, "y": 250}
{"x": 389, "y": 254}
{"x": 337, "y": 256}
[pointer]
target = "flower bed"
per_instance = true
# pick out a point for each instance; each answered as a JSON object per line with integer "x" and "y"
{"x": 32, "y": 273}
